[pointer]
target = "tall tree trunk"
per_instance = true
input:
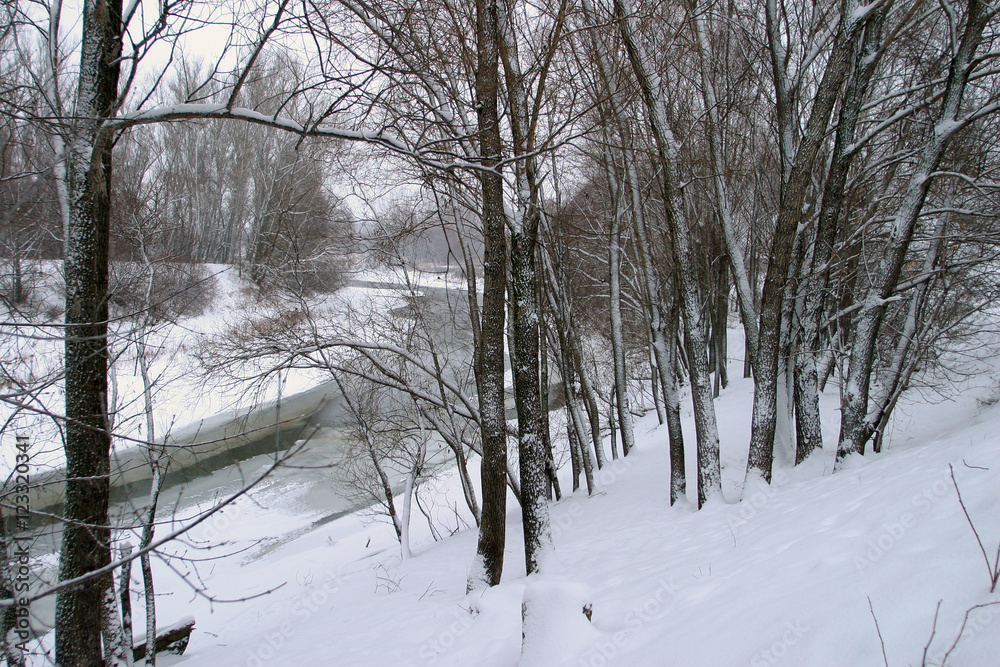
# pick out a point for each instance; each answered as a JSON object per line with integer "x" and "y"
{"x": 709, "y": 474}
{"x": 524, "y": 364}
{"x": 651, "y": 280}
{"x": 734, "y": 253}
{"x": 855, "y": 427}
{"x": 765, "y": 410}
{"x": 489, "y": 353}
{"x": 525, "y": 223}
{"x": 615, "y": 297}
{"x": 156, "y": 455}
{"x": 807, "y": 417}
{"x": 86, "y": 536}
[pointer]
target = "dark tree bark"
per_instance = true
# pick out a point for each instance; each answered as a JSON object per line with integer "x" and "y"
{"x": 790, "y": 214}
{"x": 86, "y": 536}
{"x": 524, "y": 363}
{"x": 489, "y": 354}
{"x": 524, "y": 341}
{"x": 807, "y": 417}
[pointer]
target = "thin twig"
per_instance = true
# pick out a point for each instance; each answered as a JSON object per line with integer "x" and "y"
{"x": 993, "y": 568}
{"x": 927, "y": 646}
{"x": 885, "y": 658}
{"x": 962, "y": 629}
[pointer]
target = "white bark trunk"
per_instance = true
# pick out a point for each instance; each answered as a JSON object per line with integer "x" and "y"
{"x": 709, "y": 473}
{"x": 615, "y": 296}
{"x": 744, "y": 293}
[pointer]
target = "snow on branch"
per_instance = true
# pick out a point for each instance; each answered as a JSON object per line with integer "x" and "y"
{"x": 188, "y": 111}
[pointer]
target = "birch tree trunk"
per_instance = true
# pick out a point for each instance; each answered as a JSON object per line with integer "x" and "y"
{"x": 148, "y": 531}
{"x": 156, "y": 453}
{"x": 125, "y": 595}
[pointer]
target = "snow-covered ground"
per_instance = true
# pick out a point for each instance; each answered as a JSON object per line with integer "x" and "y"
{"x": 795, "y": 574}
{"x": 809, "y": 571}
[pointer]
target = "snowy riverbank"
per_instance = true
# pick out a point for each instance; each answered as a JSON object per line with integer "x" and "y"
{"x": 784, "y": 577}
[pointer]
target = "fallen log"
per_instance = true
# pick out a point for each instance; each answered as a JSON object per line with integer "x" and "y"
{"x": 170, "y": 640}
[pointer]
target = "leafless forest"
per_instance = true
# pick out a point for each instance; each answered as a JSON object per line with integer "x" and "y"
{"x": 619, "y": 183}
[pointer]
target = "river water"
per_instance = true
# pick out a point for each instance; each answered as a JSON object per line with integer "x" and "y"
{"x": 317, "y": 473}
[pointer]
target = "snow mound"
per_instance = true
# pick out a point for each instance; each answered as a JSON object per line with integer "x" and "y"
{"x": 556, "y": 623}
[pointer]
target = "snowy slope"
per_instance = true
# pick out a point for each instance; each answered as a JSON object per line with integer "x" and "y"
{"x": 784, "y": 577}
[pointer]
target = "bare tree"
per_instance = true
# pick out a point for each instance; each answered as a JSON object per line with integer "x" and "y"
{"x": 951, "y": 117}
{"x": 709, "y": 475}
